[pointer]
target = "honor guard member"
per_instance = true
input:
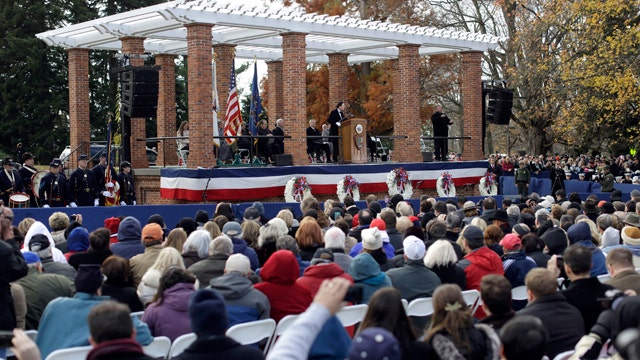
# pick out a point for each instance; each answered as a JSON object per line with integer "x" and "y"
{"x": 83, "y": 189}
{"x": 99, "y": 171}
{"x": 10, "y": 181}
{"x": 26, "y": 173}
{"x": 127, "y": 186}
{"x": 53, "y": 187}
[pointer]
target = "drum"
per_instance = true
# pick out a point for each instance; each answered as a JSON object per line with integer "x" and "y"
{"x": 35, "y": 182}
{"x": 19, "y": 200}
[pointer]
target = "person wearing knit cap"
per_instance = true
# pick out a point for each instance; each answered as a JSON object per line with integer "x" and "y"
{"x": 381, "y": 227}
{"x": 78, "y": 242}
{"x": 580, "y": 233}
{"x": 42, "y": 247}
{"x": 64, "y": 321}
{"x": 202, "y": 216}
{"x": 521, "y": 229}
{"x": 375, "y": 344}
{"x": 112, "y": 224}
{"x": 129, "y": 235}
{"x": 413, "y": 279}
{"x": 515, "y": 263}
{"x": 366, "y": 272}
{"x": 151, "y": 239}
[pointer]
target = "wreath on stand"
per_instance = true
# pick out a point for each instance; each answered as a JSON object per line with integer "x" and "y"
{"x": 398, "y": 183}
{"x": 488, "y": 185}
{"x": 348, "y": 186}
{"x": 445, "y": 185}
{"x": 297, "y": 188}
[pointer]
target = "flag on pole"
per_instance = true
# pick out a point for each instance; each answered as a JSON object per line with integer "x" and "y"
{"x": 111, "y": 194}
{"x": 256, "y": 103}
{"x": 233, "y": 117}
{"x": 216, "y": 106}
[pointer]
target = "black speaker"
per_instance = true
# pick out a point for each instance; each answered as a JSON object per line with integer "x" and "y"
{"x": 283, "y": 160}
{"x": 499, "y": 107}
{"x": 139, "y": 91}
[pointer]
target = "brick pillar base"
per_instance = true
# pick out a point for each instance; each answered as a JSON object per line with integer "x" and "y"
{"x": 80, "y": 121}
{"x": 471, "y": 92}
{"x": 166, "y": 110}
{"x": 135, "y": 46}
{"x": 275, "y": 102}
{"x": 295, "y": 92}
{"x": 406, "y": 96}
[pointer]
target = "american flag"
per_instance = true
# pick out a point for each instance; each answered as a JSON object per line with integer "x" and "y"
{"x": 233, "y": 117}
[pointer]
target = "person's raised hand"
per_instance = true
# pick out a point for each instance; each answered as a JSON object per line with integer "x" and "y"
{"x": 23, "y": 347}
{"x": 331, "y": 294}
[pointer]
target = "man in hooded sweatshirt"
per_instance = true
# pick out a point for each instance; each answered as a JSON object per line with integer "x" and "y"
{"x": 244, "y": 303}
{"x": 580, "y": 233}
{"x": 279, "y": 275}
{"x": 366, "y": 272}
{"x": 129, "y": 235}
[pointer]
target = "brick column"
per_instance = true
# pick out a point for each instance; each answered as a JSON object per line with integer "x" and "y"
{"x": 135, "y": 46}
{"x": 338, "y": 80}
{"x": 166, "y": 116}
{"x": 471, "y": 92}
{"x": 276, "y": 99}
{"x": 200, "y": 96}
{"x": 294, "y": 83}
{"x": 406, "y": 104}
{"x": 80, "y": 122}
{"x": 225, "y": 54}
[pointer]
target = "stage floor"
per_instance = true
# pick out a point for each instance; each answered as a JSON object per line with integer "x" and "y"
{"x": 247, "y": 183}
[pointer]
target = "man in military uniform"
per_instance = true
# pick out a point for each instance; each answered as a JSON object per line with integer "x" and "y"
{"x": 607, "y": 179}
{"x": 522, "y": 178}
{"x": 10, "y": 181}
{"x": 53, "y": 187}
{"x": 26, "y": 173}
{"x": 127, "y": 186}
{"x": 83, "y": 189}
{"x": 100, "y": 171}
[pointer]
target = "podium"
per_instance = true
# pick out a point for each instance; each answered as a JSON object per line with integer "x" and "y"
{"x": 353, "y": 133}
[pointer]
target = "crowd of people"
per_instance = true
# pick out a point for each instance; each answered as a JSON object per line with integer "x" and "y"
{"x": 213, "y": 271}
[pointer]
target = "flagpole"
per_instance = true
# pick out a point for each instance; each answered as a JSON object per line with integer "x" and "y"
{"x": 216, "y": 102}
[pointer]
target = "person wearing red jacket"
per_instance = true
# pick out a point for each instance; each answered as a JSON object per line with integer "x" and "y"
{"x": 322, "y": 268}
{"x": 279, "y": 275}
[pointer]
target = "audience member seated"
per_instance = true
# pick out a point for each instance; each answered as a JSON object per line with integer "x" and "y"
{"x": 212, "y": 267}
{"x": 561, "y": 319}
{"x": 580, "y": 234}
{"x": 117, "y": 284}
{"x": 99, "y": 241}
{"x": 151, "y": 280}
{"x": 495, "y": 292}
{"x": 234, "y": 231}
{"x": 524, "y": 338}
{"x": 78, "y": 242}
{"x": 152, "y": 236}
{"x": 414, "y": 280}
{"x": 366, "y": 272}
{"x": 623, "y": 273}
{"x": 196, "y": 248}
{"x": 334, "y": 240}
{"x": 41, "y": 246}
{"x": 129, "y": 235}
{"x": 442, "y": 259}
{"x": 322, "y": 268}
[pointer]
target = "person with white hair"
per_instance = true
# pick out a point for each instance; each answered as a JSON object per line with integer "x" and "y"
{"x": 269, "y": 233}
{"x": 243, "y": 302}
{"x": 196, "y": 247}
{"x": 441, "y": 258}
{"x": 404, "y": 208}
{"x": 212, "y": 267}
{"x": 151, "y": 280}
{"x": 334, "y": 239}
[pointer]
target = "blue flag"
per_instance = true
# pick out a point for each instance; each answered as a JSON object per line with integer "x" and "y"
{"x": 256, "y": 103}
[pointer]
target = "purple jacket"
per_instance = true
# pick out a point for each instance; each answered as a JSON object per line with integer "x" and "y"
{"x": 171, "y": 318}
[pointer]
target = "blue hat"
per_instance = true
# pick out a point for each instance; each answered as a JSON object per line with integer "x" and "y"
{"x": 78, "y": 239}
{"x": 208, "y": 313}
{"x": 82, "y": 157}
{"x": 30, "y": 257}
{"x": 55, "y": 162}
{"x": 579, "y": 232}
{"x": 375, "y": 344}
{"x": 232, "y": 228}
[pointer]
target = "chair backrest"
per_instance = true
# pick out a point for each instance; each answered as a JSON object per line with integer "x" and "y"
{"x": 137, "y": 314}
{"x": 604, "y": 277}
{"x": 472, "y": 297}
{"x": 560, "y": 281}
{"x": 519, "y": 293}
{"x": 405, "y": 304}
{"x": 253, "y": 332}
{"x": 180, "y": 344}
{"x": 159, "y": 347}
{"x": 283, "y": 325}
{"x": 420, "y": 307}
{"x": 351, "y": 315}
{"x": 74, "y": 353}
{"x": 32, "y": 334}
{"x": 564, "y": 355}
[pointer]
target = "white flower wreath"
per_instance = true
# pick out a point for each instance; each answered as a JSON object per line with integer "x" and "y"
{"x": 485, "y": 190}
{"x": 404, "y": 188}
{"x": 297, "y": 189}
{"x": 355, "y": 189}
{"x": 440, "y": 186}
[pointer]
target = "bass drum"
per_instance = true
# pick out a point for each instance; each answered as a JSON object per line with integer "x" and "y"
{"x": 35, "y": 182}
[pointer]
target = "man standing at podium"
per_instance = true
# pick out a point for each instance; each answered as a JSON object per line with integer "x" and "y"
{"x": 335, "y": 120}
{"x": 441, "y": 124}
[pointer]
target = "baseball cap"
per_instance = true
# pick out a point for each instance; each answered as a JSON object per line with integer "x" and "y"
{"x": 414, "y": 248}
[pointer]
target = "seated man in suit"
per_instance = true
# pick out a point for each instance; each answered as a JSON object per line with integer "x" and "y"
{"x": 315, "y": 146}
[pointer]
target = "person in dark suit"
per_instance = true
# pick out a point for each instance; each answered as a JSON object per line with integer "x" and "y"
{"x": 315, "y": 144}
{"x": 26, "y": 173}
{"x": 278, "y": 137}
{"x": 83, "y": 189}
{"x": 441, "y": 124}
{"x": 335, "y": 119}
{"x": 53, "y": 187}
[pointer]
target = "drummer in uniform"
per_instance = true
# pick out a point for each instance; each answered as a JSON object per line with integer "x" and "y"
{"x": 10, "y": 181}
{"x": 100, "y": 171}
{"x": 53, "y": 187}
{"x": 26, "y": 173}
{"x": 127, "y": 186}
{"x": 83, "y": 189}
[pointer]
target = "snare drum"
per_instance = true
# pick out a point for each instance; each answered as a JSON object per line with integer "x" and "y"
{"x": 19, "y": 200}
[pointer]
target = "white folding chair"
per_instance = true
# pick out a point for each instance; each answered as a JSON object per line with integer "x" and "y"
{"x": 560, "y": 281}
{"x": 405, "y": 304}
{"x": 420, "y": 307}
{"x": 137, "y": 314}
{"x": 32, "y": 334}
{"x": 604, "y": 277}
{"x": 472, "y": 297}
{"x": 253, "y": 332}
{"x": 351, "y": 315}
{"x": 283, "y": 325}
{"x": 519, "y": 293}
{"x": 180, "y": 344}
{"x": 74, "y": 353}
{"x": 159, "y": 347}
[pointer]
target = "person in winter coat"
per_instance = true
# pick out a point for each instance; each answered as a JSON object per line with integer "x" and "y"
{"x": 209, "y": 322}
{"x": 168, "y": 314}
{"x": 212, "y": 267}
{"x": 515, "y": 263}
{"x": 322, "y": 267}
{"x": 414, "y": 280}
{"x": 309, "y": 237}
{"x": 129, "y": 235}
{"x": 152, "y": 236}
{"x": 234, "y": 231}
{"x": 118, "y": 283}
{"x": 279, "y": 275}
{"x": 580, "y": 233}
{"x": 39, "y": 228}
{"x": 151, "y": 280}
{"x": 78, "y": 242}
{"x": 366, "y": 272}
{"x": 243, "y": 302}
{"x": 12, "y": 267}
{"x": 441, "y": 258}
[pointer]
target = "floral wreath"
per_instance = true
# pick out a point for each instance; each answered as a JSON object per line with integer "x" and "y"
{"x": 488, "y": 184}
{"x": 398, "y": 183}
{"x": 348, "y": 186}
{"x": 297, "y": 188}
{"x": 445, "y": 185}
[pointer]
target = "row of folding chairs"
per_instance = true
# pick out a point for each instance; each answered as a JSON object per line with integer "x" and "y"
{"x": 424, "y": 306}
{"x": 159, "y": 348}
